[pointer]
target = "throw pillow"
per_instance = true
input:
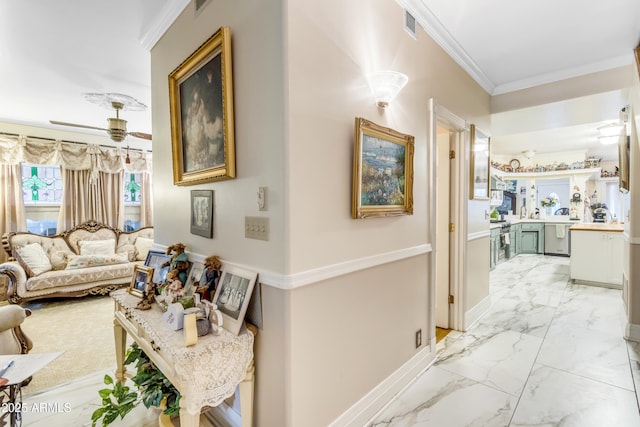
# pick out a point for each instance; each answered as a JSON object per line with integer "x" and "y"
{"x": 142, "y": 245}
{"x": 97, "y": 247}
{"x": 83, "y": 261}
{"x": 59, "y": 259}
{"x": 130, "y": 250}
{"x": 33, "y": 259}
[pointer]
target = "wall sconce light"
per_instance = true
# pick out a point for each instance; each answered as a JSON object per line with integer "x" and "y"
{"x": 386, "y": 85}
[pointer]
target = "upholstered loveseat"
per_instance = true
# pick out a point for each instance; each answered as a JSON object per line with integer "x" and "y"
{"x": 90, "y": 258}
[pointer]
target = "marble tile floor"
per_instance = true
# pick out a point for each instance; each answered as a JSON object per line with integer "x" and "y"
{"x": 547, "y": 353}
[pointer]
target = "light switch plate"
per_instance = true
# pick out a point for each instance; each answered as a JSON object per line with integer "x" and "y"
{"x": 256, "y": 227}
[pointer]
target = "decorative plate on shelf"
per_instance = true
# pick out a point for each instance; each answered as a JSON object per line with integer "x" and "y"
{"x": 515, "y": 164}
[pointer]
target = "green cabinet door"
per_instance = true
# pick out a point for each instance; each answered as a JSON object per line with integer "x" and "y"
{"x": 529, "y": 242}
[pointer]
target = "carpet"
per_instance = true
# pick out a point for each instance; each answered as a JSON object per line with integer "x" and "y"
{"x": 80, "y": 327}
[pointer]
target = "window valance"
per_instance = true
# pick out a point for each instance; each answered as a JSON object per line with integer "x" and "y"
{"x": 71, "y": 155}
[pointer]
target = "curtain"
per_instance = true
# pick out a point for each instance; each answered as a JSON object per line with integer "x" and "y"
{"x": 12, "y": 216}
{"x": 146, "y": 204}
{"x": 77, "y": 201}
{"x": 92, "y": 177}
{"x": 109, "y": 208}
{"x": 89, "y": 195}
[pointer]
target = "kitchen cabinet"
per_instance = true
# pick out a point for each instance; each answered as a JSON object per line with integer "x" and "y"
{"x": 494, "y": 248}
{"x": 514, "y": 247}
{"x": 531, "y": 238}
{"x": 596, "y": 255}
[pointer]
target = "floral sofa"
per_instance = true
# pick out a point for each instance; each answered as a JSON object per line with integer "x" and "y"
{"x": 91, "y": 258}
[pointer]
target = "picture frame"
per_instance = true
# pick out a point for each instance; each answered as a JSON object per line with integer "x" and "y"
{"x": 155, "y": 260}
{"x": 202, "y": 213}
{"x": 194, "y": 276}
{"x": 142, "y": 278}
{"x": 624, "y": 151}
{"x": 382, "y": 171}
{"x": 201, "y": 112}
{"x": 233, "y": 295}
{"x": 479, "y": 177}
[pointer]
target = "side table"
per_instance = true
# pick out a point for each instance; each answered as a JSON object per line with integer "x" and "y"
{"x": 205, "y": 374}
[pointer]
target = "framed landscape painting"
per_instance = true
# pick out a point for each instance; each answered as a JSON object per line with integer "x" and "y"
{"x": 202, "y": 122}
{"x": 382, "y": 171}
{"x": 479, "y": 169}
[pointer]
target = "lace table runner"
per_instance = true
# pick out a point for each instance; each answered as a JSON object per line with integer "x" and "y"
{"x": 211, "y": 369}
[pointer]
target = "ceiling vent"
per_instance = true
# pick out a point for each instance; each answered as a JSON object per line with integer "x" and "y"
{"x": 410, "y": 24}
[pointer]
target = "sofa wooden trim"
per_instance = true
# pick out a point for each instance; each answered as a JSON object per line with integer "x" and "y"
{"x": 102, "y": 289}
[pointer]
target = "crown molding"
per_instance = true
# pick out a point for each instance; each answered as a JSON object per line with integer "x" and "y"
{"x": 439, "y": 33}
{"x": 163, "y": 21}
{"x": 568, "y": 73}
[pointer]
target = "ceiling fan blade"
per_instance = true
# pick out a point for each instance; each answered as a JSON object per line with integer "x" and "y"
{"x": 54, "y": 122}
{"x": 141, "y": 135}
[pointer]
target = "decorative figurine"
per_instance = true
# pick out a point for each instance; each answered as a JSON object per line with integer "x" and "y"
{"x": 179, "y": 260}
{"x": 206, "y": 286}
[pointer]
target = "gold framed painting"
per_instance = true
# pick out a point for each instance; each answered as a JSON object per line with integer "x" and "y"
{"x": 479, "y": 165}
{"x": 202, "y": 122}
{"x": 382, "y": 171}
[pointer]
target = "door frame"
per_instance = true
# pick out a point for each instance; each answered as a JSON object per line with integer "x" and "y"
{"x": 438, "y": 115}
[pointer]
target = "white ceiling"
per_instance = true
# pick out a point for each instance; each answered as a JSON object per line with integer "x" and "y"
{"x": 54, "y": 52}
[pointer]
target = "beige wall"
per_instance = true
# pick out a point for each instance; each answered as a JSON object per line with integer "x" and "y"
{"x": 299, "y": 82}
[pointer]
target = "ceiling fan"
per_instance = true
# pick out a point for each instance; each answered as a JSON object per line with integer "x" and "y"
{"x": 117, "y": 129}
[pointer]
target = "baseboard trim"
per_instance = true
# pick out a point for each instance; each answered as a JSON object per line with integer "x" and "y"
{"x": 298, "y": 280}
{"x": 377, "y": 399}
{"x": 472, "y": 316}
{"x": 632, "y": 332}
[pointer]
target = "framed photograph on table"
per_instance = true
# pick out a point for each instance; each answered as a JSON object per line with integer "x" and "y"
{"x": 202, "y": 122}
{"x": 233, "y": 294}
{"x": 382, "y": 171}
{"x": 155, "y": 260}
{"x": 142, "y": 278}
{"x": 479, "y": 169}
{"x": 202, "y": 213}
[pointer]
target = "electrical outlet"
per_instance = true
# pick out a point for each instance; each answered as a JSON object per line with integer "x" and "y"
{"x": 256, "y": 227}
{"x": 418, "y": 338}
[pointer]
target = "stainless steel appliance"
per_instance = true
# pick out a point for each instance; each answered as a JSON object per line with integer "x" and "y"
{"x": 557, "y": 240}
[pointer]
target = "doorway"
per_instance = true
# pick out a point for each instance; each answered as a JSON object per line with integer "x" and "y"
{"x": 448, "y": 134}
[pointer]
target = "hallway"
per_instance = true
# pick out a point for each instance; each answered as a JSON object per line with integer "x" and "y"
{"x": 548, "y": 353}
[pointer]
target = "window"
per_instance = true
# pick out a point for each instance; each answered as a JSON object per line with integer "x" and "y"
{"x": 41, "y": 184}
{"x": 132, "y": 194}
{"x": 42, "y": 193}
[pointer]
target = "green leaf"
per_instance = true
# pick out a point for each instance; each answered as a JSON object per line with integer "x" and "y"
{"x": 109, "y": 418}
{"x": 108, "y": 379}
{"x": 104, "y": 393}
{"x": 97, "y": 414}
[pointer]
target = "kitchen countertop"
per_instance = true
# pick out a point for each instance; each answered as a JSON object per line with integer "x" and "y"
{"x": 597, "y": 226}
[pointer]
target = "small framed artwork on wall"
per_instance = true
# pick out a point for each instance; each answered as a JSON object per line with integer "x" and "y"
{"x": 479, "y": 170}
{"x": 202, "y": 213}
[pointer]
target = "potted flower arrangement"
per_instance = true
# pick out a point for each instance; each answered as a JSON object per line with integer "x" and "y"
{"x": 549, "y": 202}
{"x": 153, "y": 390}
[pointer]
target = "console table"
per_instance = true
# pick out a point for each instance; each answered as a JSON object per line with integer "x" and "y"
{"x": 205, "y": 374}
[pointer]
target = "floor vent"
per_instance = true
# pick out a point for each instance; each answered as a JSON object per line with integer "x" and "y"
{"x": 410, "y": 24}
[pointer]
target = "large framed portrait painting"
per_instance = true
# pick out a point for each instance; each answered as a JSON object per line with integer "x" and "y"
{"x": 202, "y": 122}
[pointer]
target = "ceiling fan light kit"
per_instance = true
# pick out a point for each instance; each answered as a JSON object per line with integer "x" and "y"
{"x": 117, "y": 129}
